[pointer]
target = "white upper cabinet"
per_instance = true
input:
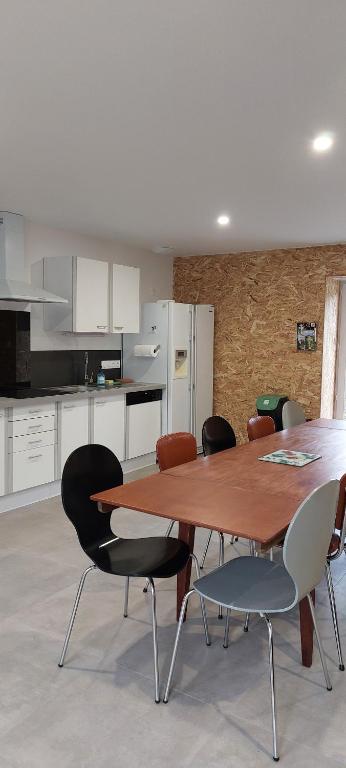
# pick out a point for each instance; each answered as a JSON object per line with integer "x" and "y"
{"x": 85, "y": 284}
{"x": 125, "y": 299}
{"x": 102, "y": 297}
{"x": 91, "y": 296}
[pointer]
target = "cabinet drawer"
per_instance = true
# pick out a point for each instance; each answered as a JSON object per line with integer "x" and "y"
{"x": 31, "y": 442}
{"x": 31, "y": 411}
{"x": 31, "y": 426}
{"x": 34, "y": 467}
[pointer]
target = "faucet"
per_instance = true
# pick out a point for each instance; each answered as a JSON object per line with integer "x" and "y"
{"x": 86, "y": 363}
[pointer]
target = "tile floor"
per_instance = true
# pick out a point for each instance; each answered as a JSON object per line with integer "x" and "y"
{"x": 98, "y": 711}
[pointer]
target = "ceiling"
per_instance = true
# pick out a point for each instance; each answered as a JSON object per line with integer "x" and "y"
{"x": 143, "y": 120}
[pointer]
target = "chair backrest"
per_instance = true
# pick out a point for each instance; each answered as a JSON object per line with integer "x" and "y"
{"x": 88, "y": 470}
{"x": 308, "y": 537}
{"x": 340, "y": 512}
{"x": 292, "y": 414}
{"x": 260, "y": 426}
{"x": 177, "y": 448}
{"x": 217, "y": 435}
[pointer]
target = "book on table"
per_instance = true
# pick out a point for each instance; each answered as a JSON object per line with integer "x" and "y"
{"x": 292, "y": 458}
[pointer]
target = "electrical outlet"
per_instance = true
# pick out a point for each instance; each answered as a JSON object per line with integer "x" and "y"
{"x": 107, "y": 364}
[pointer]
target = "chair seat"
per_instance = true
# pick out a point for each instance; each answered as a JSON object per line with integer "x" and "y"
{"x": 156, "y": 557}
{"x": 249, "y": 584}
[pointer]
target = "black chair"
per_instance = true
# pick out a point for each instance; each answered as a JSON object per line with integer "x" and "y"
{"x": 217, "y": 435}
{"x": 91, "y": 469}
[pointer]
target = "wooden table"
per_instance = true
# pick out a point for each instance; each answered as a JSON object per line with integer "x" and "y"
{"x": 235, "y": 493}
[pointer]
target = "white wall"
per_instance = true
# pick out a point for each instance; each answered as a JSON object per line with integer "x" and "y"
{"x": 40, "y": 241}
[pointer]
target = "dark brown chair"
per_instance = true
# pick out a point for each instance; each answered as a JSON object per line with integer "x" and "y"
{"x": 260, "y": 426}
{"x": 336, "y": 548}
{"x": 217, "y": 435}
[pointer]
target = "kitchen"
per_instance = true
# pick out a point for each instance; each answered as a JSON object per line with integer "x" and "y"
{"x": 122, "y": 380}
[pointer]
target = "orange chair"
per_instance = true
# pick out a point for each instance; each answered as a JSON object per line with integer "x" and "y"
{"x": 260, "y": 426}
{"x": 175, "y": 449}
{"x": 180, "y": 448}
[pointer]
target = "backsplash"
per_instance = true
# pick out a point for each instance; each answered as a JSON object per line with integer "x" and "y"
{"x": 64, "y": 367}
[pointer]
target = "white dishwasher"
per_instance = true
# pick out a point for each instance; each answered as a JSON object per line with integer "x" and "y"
{"x": 143, "y": 422}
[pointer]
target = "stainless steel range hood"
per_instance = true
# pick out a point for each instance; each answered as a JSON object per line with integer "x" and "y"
{"x": 13, "y": 286}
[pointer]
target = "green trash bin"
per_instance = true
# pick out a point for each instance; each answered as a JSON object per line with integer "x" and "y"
{"x": 272, "y": 405}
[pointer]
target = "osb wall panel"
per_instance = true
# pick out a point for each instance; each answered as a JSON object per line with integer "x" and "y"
{"x": 259, "y": 298}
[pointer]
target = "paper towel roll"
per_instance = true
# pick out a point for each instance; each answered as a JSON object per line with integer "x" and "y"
{"x": 146, "y": 350}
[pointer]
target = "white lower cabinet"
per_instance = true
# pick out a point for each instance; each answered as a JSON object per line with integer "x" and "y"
{"x": 143, "y": 428}
{"x": 108, "y": 424}
{"x": 31, "y": 445}
{"x": 73, "y": 428}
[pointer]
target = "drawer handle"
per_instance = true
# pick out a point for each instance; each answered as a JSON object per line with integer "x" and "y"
{"x": 34, "y": 426}
{"x": 36, "y": 456}
{"x": 38, "y": 410}
{"x": 68, "y": 407}
{"x": 102, "y": 327}
{"x": 35, "y": 442}
{"x": 98, "y": 402}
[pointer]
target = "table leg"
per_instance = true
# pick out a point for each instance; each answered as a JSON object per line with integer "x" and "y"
{"x": 187, "y": 534}
{"x": 306, "y": 631}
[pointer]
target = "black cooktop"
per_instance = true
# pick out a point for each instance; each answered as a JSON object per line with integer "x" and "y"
{"x": 23, "y": 392}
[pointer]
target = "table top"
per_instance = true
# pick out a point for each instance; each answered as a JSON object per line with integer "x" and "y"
{"x": 235, "y": 493}
{"x": 327, "y": 423}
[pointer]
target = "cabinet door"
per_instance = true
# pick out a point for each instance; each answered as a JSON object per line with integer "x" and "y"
{"x": 125, "y": 299}
{"x": 109, "y": 424}
{"x": 91, "y": 296}
{"x": 73, "y": 428}
{"x": 143, "y": 428}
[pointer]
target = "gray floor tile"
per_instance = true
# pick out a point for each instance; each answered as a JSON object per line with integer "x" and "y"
{"x": 99, "y": 710}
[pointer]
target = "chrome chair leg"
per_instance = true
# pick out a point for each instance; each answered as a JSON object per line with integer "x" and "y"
{"x": 221, "y": 561}
{"x": 202, "y": 601}
{"x": 272, "y": 684}
{"x": 253, "y": 554}
{"x": 156, "y": 652}
{"x": 74, "y": 611}
{"x": 205, "y": 550}
{"x": 167, "y": 534}
{"x": 174, "y": 654}
{"x": 226, "y": 635}
{"x": 334, "y": 614}
{"x": 320, "y": 646}
{"x": 126, "y": 601}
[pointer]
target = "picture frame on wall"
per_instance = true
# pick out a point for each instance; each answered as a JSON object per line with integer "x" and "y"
{"x": 306, "y": 337}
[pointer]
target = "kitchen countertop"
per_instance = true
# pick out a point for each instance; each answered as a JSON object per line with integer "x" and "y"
{"x": 80, "y": 392}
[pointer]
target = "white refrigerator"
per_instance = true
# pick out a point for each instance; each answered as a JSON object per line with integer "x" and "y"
{"x": 183, "y": 334}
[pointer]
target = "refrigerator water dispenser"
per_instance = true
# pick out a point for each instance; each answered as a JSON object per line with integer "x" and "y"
{"x": 180, "y": 366}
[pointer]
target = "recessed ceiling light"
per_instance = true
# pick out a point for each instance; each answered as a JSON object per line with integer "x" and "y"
{"x": 323, "y": 142}
{"x": 223, "y": 220}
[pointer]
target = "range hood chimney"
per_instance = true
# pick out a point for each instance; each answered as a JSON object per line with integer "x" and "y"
{"x": 13, "y": 286}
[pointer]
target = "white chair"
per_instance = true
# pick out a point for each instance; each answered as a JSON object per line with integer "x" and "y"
{"x": 257, "y": 585}
{"x": 292, "y": 414}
